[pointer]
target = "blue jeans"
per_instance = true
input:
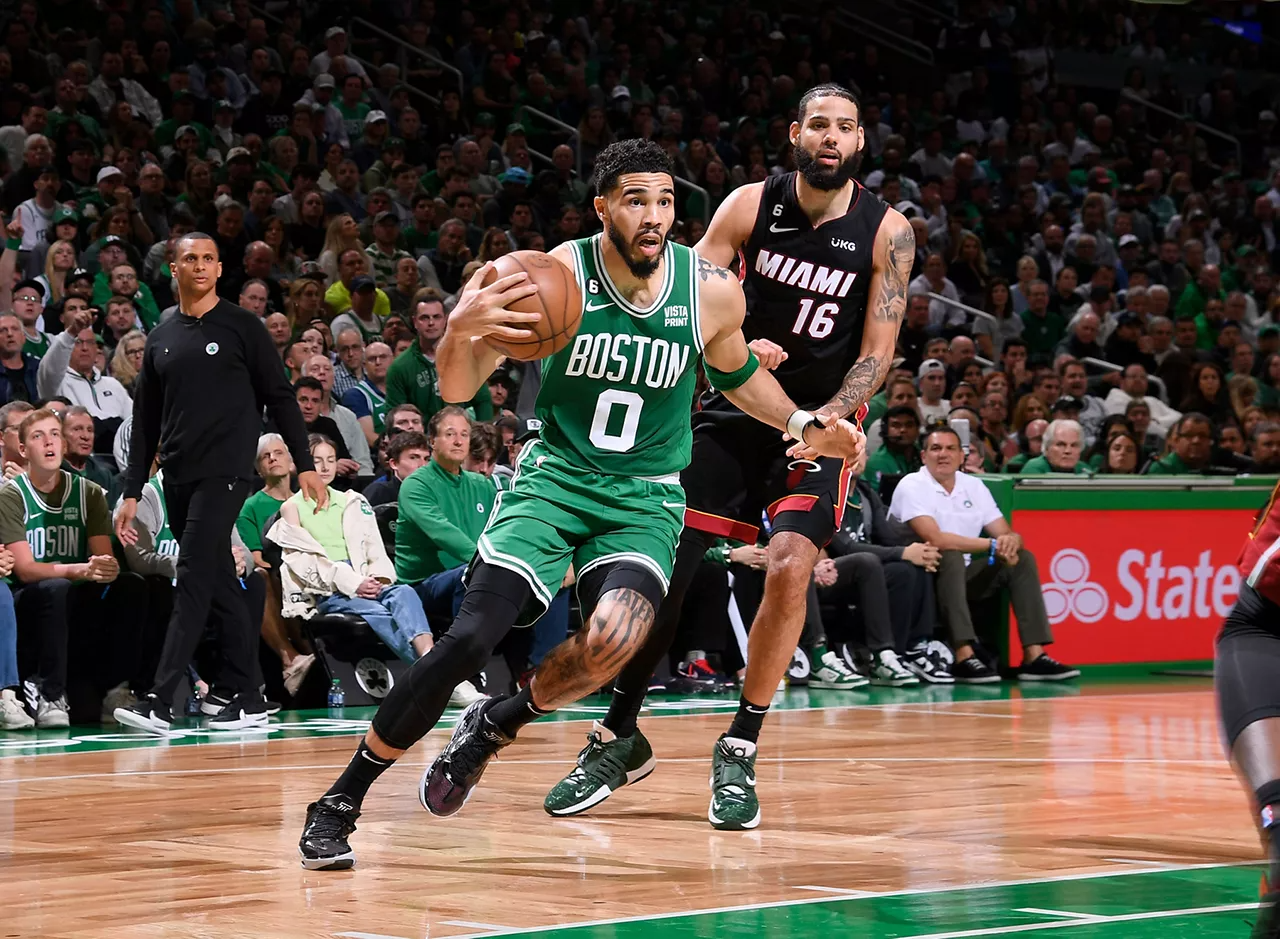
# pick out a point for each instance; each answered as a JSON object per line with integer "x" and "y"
{"x": 8, "y": 639}
{"x": 442, "y": 593}
{"x": 396, "y": 616}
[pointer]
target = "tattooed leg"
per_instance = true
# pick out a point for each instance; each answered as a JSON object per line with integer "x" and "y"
{"x": 594, "y": 655}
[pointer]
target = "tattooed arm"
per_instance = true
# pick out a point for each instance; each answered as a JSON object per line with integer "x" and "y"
{"x": 723, "y": 307}
{"x": 891, "y": 270}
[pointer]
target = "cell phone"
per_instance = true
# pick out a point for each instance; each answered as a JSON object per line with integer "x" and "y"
{"x": 961, "y": 426}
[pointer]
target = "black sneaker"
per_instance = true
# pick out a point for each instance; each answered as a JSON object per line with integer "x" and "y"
{"x": 211, "y": 705}
{"x": 240, "y": 713}
{"x": 1268, "y": 924}
{"x": 148, "y": 713}
{"x": 450, "y": 779}
{"x": 1046, "y": 668}
{"x": 323, "y": 844}
{"x": 972, "y": 671}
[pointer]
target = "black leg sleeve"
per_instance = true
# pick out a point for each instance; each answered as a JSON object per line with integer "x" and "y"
{"x": 495, "y": 596}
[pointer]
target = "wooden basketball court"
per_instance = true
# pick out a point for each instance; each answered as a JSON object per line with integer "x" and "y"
{"x": 1102, "y": 810}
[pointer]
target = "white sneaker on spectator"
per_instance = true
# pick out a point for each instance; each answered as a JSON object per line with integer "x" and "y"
{"x": 465, "y": 695}
{"x": 53, "y": 713}
{"x": 833, "y": 673}
{"x": 118, "y": 697}
{"x": 887, "y": 670}
{"x": 296, "y": 673}
{"x": 930, "y": 663}
{"x": 13, "y": 716}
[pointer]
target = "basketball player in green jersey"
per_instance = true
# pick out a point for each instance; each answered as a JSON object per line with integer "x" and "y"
{"x": 599, "y": 490}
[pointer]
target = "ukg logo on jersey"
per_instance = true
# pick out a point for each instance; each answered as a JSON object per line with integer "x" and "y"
{"x": 1143, "y": 585}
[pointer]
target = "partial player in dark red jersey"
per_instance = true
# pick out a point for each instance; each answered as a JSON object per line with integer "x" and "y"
{"x": 1247, "y": 678}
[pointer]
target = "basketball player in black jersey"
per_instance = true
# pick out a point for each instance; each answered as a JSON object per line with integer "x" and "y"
{"x": 825, "y": 266}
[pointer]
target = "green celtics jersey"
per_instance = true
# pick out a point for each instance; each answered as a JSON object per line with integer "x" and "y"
{"x": 165, "y": 543}
{"x": 618, "y": 398}
{"x": 57, "y": 534}
{"x": 38, "y": 347}
{"x": 375, "y": 404}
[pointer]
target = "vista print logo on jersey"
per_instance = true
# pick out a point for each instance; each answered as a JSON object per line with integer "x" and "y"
{"x": 803, "y": 275}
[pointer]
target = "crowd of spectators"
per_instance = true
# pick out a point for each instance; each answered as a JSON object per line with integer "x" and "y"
{"x": 1093, "y": 290}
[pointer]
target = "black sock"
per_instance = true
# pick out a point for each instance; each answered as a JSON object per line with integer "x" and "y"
{"x": 748, "y": 721}
{"x": 365, "y": 767}
{"x": 624, "y": 709}
{"x": 510, "y": 714}
{"x": 1268, "y": 797}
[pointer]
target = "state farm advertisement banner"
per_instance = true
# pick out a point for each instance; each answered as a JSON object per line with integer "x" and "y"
{"x": 1135, "y": 586}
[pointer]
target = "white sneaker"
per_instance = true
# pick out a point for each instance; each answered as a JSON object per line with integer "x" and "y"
{"x": 833, "y": 673}
{"x": 888, "y": 671}
{"x": 932, "y": 662}
{"x": 118, "y": 697}
{"x": 53, "y": 713}
{"x": 465, "y": 695}
{"x": 296, "y": 673}
{"x": 13, "y": 716}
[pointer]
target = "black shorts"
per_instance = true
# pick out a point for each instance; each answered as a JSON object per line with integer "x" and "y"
{"x": 1246, "y": 673}
{"x": 740, "y": 475}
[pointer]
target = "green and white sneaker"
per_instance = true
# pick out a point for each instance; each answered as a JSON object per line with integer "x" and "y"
{"x": 605, "y": 765}
{"x": 832, "y": 672}
{"x": 734, "y": 806}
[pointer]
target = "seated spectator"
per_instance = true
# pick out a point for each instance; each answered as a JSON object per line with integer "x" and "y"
{"x": 11, "y": 418}
{"x": 367, "y": 399}
{"x": 1133, "y": 386}
{"x": 482, "y": 457}
{"x": 1190, "y": 448}
{"x": 1075, "y": 383}
{"x": 407, "y": 283}
{"x": 1042, "y": 327}
{"x": 964, "y": 395}
{"x": 348, "y": 371}
{"x": 1138, "y": 416}
{"x": 901, "y": 452}
{"x": 77, "y": 436}
{"x": 1209, "y": 394}
{"x": 58, "y": 527}
{"x": 412, "y": 376}
{"x": 20, "y": 368}
{"x": 1081, "y": 340}
{"x": 1123, "y": 454}
{"x": 949, "y": 509}
{"x": 360, "y": 315}
{"x": 405, "y": 418}
{"x": 406, "y": 452}
{"x": 333, "y": 561}
{"x": 1030, "y": 441}
{"x": 932, "y": 377}
{"x": 1265, "y": 448}
{"x": 120, "y": 319}
{"x": 1059, "y": 451}
{"x": 69, "y": 370}
{"x": 310, "y": 395}
{"x": 934, "y": 280}
{"x": 1124, "y": 346}
{"x": 874, "y": 561}
{"x": 352, "y": 264}
{"x": 443, "y": 510}
{"x": 122, "y": 281}
{"x": 320, "y": 368}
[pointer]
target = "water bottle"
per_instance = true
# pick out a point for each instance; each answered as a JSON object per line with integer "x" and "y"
{"x": 337, "y": 697}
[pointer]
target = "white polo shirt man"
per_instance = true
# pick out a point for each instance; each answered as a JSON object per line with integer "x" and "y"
{"x": 966, "y": 510}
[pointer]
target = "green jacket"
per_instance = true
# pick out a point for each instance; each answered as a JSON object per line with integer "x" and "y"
{"x": 441, "y": 516}
{"x": 1038, "y": 465}
{"x": 412, "y": 379}
{"x": 1171, "y": 465}
{"x": 885, "y": 461}
{"x": 1017, "y": 462}
{"x": 1042, "y": 334}
{"x": 876, "y": 407}
{"x": 143, "y": 302}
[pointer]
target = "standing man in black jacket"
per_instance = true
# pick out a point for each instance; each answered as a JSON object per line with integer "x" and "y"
{"x": 206, "y": 375}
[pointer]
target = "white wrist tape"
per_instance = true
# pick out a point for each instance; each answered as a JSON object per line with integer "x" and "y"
{"x": 798, "y": 421}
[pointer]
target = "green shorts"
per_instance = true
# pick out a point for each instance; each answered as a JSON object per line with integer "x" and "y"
{"x": 556, "y": 513}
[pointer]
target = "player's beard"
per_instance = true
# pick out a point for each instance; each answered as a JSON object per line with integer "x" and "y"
{"x": 819, "y": 177}
{"x": 644, "y": 268}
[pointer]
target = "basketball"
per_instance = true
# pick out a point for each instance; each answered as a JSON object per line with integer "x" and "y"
{"x": 558, "y": 300}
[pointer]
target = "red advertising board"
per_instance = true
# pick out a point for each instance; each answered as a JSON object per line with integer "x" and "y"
{"x": 1135, "y": 586}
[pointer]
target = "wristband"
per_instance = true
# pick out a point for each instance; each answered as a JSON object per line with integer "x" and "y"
{"x": 727, "y": 381}
{"x": 798, "y": 422}
{"x": 991, "y": 555}
{"x": 13, "y": 244}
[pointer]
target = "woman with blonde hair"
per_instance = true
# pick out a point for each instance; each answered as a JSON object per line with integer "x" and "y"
{"x": 306, "y": 301}
{"x": 127, "y": 361}
{"x": 59, "y": 262}
{"x": 342, "y": 235}
{"x": 1026, "y": 271}
{"x": 493, "y": 245}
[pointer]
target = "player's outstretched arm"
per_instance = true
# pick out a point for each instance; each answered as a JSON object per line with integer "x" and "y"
{"x": 891, "y": 271}
{"x": 734, "y": 370}
{"x": 463, "y": 359}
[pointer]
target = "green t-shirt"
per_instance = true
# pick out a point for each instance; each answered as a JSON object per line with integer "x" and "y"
{"x": 885, "y": 462}
{"x": 253, "y": 516}
{"x": 441, "y": 516}
{"x": 37, "y": 347}
{"x": 324, "y": 526}
{"x": 1038, "y": 465}
{"x": 56, "y": 525}
{"x": 1171, "y": 465}
{"x": 353, "y": 118}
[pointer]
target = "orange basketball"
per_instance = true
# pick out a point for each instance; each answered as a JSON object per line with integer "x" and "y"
{"x": 558, "y": 300}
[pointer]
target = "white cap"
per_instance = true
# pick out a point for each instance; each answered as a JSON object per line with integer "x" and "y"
{"x": 1126, "y": 240}
{"x": 374, "y": 116}
{"x": 334, "y": 31}
{"x": 930, "y": 365}
{"x": 108, "y": 171}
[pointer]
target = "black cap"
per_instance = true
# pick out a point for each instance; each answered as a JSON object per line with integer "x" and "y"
{"x": 33, "y": 283}
{"x": 1068, "y": 403}
{"x": 80, "y": 273}
{"x": 386, "y": 216}
{"x": 530, "y": 429}
{"x": 361, "y": 283}
{"x": 312, "y": 271}
{"x": 1128, "y": 319}
{"x": 112, "y": 240}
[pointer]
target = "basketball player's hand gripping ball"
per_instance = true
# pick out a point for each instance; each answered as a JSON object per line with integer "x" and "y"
{"x": 834, "y": 438}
